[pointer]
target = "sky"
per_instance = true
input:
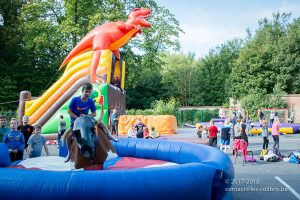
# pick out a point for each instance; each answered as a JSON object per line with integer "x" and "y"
{"x": 210, "y": 23}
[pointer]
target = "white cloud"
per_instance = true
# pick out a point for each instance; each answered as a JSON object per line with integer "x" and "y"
{"x": 199, "y": 38}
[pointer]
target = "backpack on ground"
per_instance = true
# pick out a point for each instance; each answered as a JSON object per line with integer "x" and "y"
{"x": 294, "y": 159}
{"x": 263, "y": 153}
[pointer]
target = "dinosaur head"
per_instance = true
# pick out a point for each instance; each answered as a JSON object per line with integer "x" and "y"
{"x": 137, "y": 18}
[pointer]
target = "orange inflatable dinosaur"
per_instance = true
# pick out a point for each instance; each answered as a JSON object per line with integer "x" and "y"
{"x": 110, "y": 36}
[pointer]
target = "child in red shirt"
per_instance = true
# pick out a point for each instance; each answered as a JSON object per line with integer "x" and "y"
{"x": 146, "y": 133}
{"x": 212, "y": 134}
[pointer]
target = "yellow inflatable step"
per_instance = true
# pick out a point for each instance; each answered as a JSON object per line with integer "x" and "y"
{"x": 285, "y": 130}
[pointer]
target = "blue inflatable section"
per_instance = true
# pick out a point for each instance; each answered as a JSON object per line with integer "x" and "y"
{"x": 201, "y": 175}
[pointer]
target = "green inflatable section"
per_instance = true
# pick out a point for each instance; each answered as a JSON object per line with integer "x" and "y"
{"x": 100, "y": 91}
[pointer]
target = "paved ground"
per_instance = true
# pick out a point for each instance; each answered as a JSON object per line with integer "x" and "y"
{"x": 262, "y": 180}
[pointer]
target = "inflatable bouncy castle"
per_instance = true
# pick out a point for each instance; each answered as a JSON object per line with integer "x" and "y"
{"x": 95, "y": 59}
{"x": 46, "y": 109}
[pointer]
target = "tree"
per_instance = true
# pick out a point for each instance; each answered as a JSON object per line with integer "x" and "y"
{"x": 255, "y": 70}
{"x": 288, "y": 59}
{"x": 178, "y": 74}
{"x": 214, "y": 74}
{"x": 13, "y": 58}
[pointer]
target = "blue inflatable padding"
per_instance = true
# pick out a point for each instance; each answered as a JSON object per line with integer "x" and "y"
{"x": 201, "y": 175}
{"x": 4, "y": 156}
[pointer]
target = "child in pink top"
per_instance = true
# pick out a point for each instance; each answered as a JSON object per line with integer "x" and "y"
{"x": 275, "y": 134}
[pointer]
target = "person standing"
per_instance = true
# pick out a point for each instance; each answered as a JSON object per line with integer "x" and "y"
{"x": 36, "y": 142}
{"x": 275, "y": 135}
{"x": 225, "y": 136}
{"x": 265, "y": 134}
{"x": 272, "y": 116}
{"x": 260, "y": 116}
{"x": 114, "y": 122}
{"x": 3, "y": 128}
{"x": 248, "y": 125}
{"x": 61, "y": 126}
{"x": 234, "y": 122}
{"x": 237, "y": 128}
{"x": 15, "y": 141}
{"x": 26, "y": 129}
{"x": 212, "y": 134}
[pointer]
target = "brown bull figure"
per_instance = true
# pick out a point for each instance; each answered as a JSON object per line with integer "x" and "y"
{"x": 90, "y": 144}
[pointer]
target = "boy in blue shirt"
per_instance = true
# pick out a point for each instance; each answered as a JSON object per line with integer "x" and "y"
{"x": 36, "y": 142}
{"x": 78, "y": 107}
{"x": 15, "y": 141}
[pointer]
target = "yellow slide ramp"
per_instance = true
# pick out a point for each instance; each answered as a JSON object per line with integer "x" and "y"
{"x": 77, "y": 68}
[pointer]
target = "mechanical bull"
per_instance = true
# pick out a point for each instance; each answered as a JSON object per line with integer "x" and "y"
{"x": 90, "y": 144}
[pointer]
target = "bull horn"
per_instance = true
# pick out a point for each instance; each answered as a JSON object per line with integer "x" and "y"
{"x": 65, "y": 135}
{"x": 106, "y": 132}
{"x": 110, "y": 137}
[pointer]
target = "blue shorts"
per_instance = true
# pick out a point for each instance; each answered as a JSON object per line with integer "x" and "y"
{"x": 225, "y": 141}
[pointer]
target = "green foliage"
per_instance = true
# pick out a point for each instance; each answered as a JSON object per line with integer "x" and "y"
{"x": 179, "y": 73}
{"x": 255, "y": 70}
{"x": 8, "y": 114}
{"x": 193, "y": 116}
{"x": 158, "y": 107}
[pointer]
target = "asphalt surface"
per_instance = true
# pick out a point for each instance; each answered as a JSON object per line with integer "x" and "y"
{"x": 262, "y": 180}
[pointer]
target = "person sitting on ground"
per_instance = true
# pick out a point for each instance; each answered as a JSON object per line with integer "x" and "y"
{"x": 26, "y": 129}
{"x": 212, "y": 134}
{"x": 153, "y": 133}
{"x": 146, "y": 133}
{"x": 15, "y": 141}
{"x": 3, "y": 128}
{"x": 204, "y": 132}
{"x": 36, "y": 142}
{"x": 199, "y": 131}
{"x": 131, "y": 132}
{"x": 140, "y": 128}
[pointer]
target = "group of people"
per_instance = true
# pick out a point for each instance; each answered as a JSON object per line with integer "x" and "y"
{"x": 140, "y": 130}
{"x": 210, "y": 132}
{"x": 236, "y": 127}
{"x": 22, "y": 138}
